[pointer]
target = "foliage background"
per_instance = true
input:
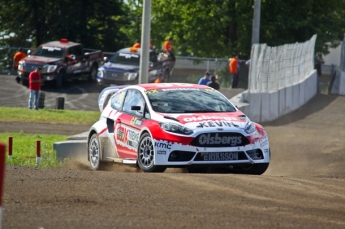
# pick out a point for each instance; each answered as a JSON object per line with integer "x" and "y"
{"x": 202, "y": 28}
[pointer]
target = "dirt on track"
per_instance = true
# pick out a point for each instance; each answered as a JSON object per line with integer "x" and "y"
{"x": 304, "y": 186}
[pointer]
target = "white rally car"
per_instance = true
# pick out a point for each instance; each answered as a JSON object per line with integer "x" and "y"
{"x": 156, "y": 126}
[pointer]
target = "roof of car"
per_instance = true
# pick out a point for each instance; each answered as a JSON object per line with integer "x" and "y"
{"x": 131, "y": 50}
{"x": 60, "y": 44}
{"x": 152, "y": 86}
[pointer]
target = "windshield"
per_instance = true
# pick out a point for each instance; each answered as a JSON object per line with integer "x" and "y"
{"x": 187, "y": 100}
{"x": 125, "y": 58}
{"x": 46, "y": 51}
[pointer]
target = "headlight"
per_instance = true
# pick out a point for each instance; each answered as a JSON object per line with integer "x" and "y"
{"x": 175, "y": 128}
{"x": 250, "y": 127}
{"x": 100, "y": 73}
{"x": 49, "y": 68}
{"x": 131, "y": 75}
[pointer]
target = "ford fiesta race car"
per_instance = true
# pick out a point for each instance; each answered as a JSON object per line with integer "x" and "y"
{"x": 156, "y": 126}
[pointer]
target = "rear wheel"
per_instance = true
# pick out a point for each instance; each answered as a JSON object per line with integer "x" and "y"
{"x": 146, "y": 155}
{"x": 94, "y": 151}
{"x": 93, "y": 73}
{"x": 253, "y": 169}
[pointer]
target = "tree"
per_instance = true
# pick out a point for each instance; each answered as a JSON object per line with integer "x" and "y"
{"x": 95, "y": 24}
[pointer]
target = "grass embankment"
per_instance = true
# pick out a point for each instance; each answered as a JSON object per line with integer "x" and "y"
{"x": 24, "y": 145}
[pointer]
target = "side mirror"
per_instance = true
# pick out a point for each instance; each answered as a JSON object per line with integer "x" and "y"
{"x": 135, "y": 108}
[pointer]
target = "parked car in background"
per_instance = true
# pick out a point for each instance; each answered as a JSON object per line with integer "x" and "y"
{"x": 123, "y": 67}
{"x": 159, "y": 126}
{"x": 60, "y": 61}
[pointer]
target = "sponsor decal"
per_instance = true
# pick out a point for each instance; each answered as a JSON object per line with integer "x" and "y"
{"x": 221, "y": 156}
{"x": 208, "y": 139}
{"x": 128, "y": 136}
{"x": 137, "y": 122}
{"x": 151, "y": 91}
{"x": 161, "y": 152}
{"x": 163, "y": 145}
{"x": 214, "y": 124}
{"x": 206, "y": 117}
{"x": 180, "y": 89}
{"x": 264, "y": 143}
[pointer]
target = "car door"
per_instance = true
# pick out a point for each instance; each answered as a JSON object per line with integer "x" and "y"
{"x": 128, "y": 125}
{"x": 76, "y": 61}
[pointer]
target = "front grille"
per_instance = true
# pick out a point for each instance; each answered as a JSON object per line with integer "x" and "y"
{"x": 221, "y": 156}
{"x": 229, "y": 139}
{"x": 29, "y": 67}
{"x": 115, "y": 75}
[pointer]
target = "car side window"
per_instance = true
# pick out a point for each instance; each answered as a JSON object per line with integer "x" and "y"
{"x": 134, "y": 98}
{"x": 117, "y": 100}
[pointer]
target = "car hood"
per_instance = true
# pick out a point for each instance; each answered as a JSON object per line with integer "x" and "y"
{"x": 120, "y": 67}
{"x": 224, "y": 120}
{"x": 41, "y": 59}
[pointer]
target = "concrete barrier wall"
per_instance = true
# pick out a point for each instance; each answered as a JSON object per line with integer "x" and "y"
{"x": 264, "y": 107}
{"x": 338, "y": 85}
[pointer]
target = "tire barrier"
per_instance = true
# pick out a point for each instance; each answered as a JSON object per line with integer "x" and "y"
{"x": 60, "y": 101}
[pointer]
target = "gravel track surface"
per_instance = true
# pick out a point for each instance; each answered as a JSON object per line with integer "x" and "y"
{"x": 303, "y": 187}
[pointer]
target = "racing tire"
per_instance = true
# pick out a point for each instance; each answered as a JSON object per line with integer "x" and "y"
{"x": 197, "y": 169}
{"x": 166, "y": 76}
{"x": 254, "y": 169}
{"x": 94, "y": 153}
{"x": 146, "y": 155}
{"x": 59, "y": 79}
{"x": 93, "y": 74}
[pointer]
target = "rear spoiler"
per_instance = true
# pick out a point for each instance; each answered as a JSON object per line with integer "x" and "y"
{"x": 105, "y": 94}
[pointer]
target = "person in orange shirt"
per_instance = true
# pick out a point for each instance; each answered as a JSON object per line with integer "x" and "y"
{"x": 167, "y": 48}
{"x": 233, "y": 69}
{"x": 136, "y": 44}
{"x": 18, "y": 57}
{"x": 160, "y": 78}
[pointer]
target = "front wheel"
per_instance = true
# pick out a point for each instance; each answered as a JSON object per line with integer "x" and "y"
{"x": 93, "y": 73}
{"x": 59, "y": 79}
{"x": 94, "y": 151}
{"x": 254, "y": 169}
{"x": 146, "y": 155}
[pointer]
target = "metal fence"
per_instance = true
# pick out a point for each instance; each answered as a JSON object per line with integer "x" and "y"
{"x": 273, "y": 68}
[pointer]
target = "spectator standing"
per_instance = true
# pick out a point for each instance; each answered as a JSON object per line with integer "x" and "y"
{"x": 318, "y": 66}
{"x": 204, "y": 80}
{"x": 136, "y": 44}
{"x": 167, "y": 48}
{"x": 35, "y": 81}
{"x": 213, "y": 83}
{"x": 18, "y": 56}
{"x": 233, "y": 69}
{"x": 160, "y": 78}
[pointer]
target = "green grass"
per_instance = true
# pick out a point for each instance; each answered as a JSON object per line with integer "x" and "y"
{"x": 24, "y": 149}
{"x": 20, "y": 114}
{"x": 24, "y": 145}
